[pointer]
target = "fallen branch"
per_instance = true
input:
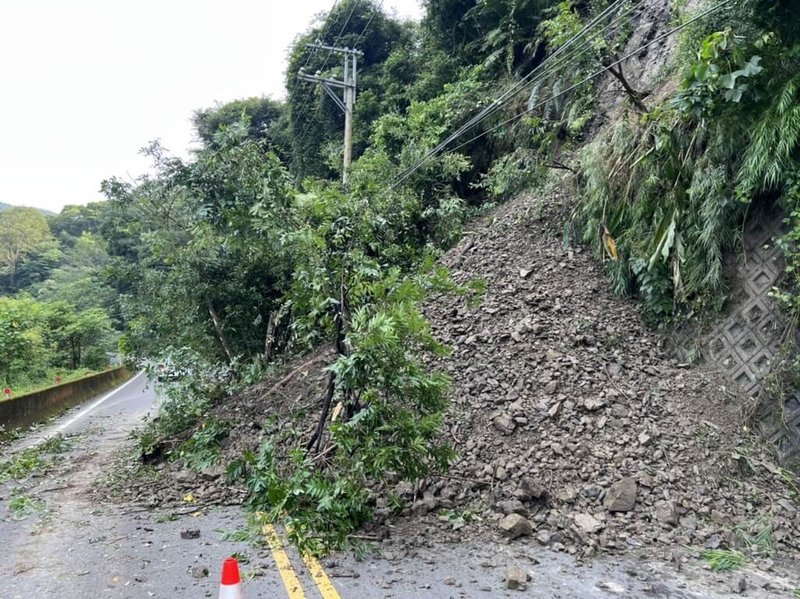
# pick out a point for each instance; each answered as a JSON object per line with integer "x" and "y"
{"x": 218, "y": 328}
{"x": 558, "y": 165}
{"x": 290, "y": 376}
{"x": 316, "y": 438}
{"x": 635, "y": 96}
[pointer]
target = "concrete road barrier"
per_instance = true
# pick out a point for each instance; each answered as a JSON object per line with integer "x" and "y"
{"x": 37, "y": 406}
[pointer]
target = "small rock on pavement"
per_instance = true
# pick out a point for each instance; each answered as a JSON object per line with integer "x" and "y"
{"x": 199, "y": 571}
{"x": 544, "y": 536}
{"x": 190, "y": 533}
{"x": 621, "y": 496}
{"x": 516, "y": 578}
{"x": 741, "y": 585}
{"x": 611, "y": 586}
{"x": 514, "y": 525}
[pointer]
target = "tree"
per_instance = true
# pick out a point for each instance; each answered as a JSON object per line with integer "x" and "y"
{"x": 24, "y": 351}
{"x": 266, "y": 120}
{"x": 316, "y": 122}
{"x": 23, "y": 232}
{"x": 497, "y": 33}
{"x": 80, "y": 331}
{"x": 81, "y": 280}
{"x": 208, "y": 251}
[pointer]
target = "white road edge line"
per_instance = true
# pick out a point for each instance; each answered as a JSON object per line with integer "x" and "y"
{"x": 60, "y": 428}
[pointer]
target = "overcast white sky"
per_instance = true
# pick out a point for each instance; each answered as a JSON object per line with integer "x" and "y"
{"x": 85, "y": 83}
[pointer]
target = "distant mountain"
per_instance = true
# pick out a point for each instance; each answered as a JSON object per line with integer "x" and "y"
{"x": 4, "y": 206}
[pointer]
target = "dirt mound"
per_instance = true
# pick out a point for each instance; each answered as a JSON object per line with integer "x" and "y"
{"x": 567, "y": 411}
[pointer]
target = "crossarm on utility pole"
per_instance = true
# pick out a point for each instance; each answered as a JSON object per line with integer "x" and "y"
{"x": 345, "y": 104}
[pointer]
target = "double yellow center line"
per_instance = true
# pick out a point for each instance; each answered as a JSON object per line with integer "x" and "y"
{"x": 288, "y": 574}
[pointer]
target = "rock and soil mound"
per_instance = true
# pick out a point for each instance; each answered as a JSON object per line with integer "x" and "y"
{"x": 572, "y": 424}
{"x": 568, "y": 411}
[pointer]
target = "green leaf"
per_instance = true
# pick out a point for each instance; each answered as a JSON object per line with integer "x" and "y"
{"x": 665, "y": 235}
{"x": 728, "y": 81}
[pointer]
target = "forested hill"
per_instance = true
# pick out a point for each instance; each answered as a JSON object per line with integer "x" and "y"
{"x": 4, "y": 206}
{"x": 252, "y": 252}
{"x": 59, "y": 307}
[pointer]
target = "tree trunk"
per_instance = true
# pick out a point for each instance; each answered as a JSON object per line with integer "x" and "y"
{"x": 635, "y": 96}
{"x": 316, "y": 438}
{"x": 269, "y": 340}
{"x": 218, "y": 329}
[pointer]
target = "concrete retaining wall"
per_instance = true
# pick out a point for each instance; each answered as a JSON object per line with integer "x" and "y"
{"x": 745, "y": 344}
{"x": 30, "y": 408}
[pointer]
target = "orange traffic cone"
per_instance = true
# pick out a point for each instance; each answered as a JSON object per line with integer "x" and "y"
{"x": 231, "y": 584}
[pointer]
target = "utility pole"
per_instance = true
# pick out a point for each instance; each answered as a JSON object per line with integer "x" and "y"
{"x": 348, "y": 87}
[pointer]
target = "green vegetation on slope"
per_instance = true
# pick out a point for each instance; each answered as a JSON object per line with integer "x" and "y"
{"x": 673, "y": 185}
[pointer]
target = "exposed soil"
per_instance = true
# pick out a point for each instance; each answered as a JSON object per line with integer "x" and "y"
{"x": 567, "y": 409}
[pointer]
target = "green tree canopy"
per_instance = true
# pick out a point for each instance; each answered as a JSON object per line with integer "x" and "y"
{"x": 24, "y": 232}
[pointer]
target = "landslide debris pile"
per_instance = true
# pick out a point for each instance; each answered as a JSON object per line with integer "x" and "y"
{"x": 568, "y": 412}
{"x": 572, "y": 424}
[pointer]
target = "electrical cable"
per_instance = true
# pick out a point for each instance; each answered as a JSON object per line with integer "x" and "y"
{"x": 513, "y": 90}
{"x": 594, "y": 75}
{"x": 372, "y": 16}
{"x": 328, "y": 56}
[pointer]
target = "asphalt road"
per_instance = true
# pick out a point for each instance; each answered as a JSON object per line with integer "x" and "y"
{"x": 70, "y": 547}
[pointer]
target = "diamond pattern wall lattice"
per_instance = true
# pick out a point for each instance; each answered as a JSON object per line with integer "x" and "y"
{"x": 745, "y": 344}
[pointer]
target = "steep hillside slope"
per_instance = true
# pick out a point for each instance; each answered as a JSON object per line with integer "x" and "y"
{"x": 566, "y": 409}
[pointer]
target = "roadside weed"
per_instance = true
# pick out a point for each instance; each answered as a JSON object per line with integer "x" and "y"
{"x": 458, "y": 519}
{"x": 723, "y": 560}
{"x": 21, "y": 506}
{"x": 252, "y": 533}
{"x": 202, "y": 450}
{"x": 20, "y": 466}
{"x": 161, "y": 519}
{"x": 30, "y": 460}
{"x": 55, "y": 444}
{"x": 758, "y": 537}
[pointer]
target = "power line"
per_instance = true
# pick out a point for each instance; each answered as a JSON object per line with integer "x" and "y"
{"x": 341, "y": 32}
{"x": 310, "y": 56}
{"x": 375, "y": 9}
{"x": 594, "y": 75}
{"x": 506, "y": 96}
